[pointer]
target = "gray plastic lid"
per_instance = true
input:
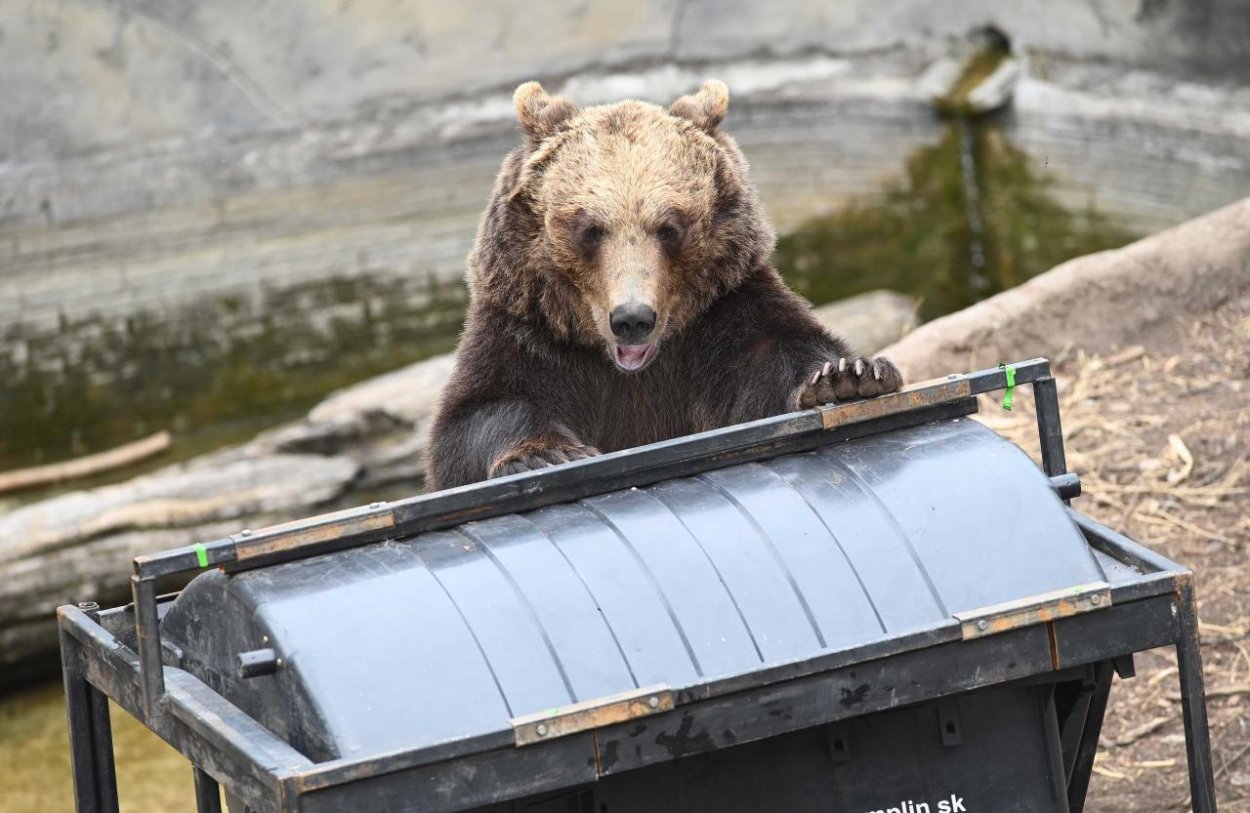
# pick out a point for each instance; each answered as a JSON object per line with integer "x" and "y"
{"x": 445, "y": 635}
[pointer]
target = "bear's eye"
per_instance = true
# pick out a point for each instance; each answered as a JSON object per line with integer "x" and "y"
{"x": 591, "y": 236}
{"x": 670, "y": 235}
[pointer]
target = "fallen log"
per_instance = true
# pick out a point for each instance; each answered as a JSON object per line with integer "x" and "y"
{"x": 78, "y": 468}
{"x": 79, "y": 546}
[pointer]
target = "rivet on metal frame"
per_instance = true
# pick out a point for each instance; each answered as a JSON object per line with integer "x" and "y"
{"x": 1082, "y": 598}
{"x": 591, "y": 714}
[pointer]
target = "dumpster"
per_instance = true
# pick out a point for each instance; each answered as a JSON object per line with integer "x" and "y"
{"x": 876, "y": 606}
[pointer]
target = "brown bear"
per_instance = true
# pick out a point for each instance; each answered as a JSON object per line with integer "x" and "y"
{"x": 623, "y": 293}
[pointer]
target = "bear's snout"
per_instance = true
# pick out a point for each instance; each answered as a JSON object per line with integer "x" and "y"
{"x": 632, "y": 323}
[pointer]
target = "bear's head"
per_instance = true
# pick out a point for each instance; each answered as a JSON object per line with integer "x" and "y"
{"x": 618, "y": 225}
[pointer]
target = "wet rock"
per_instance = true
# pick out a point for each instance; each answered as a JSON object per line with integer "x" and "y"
{"x": 995, "y": 91}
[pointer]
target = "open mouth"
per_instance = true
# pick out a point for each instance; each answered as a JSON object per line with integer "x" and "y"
{"x": 632, "y": 357}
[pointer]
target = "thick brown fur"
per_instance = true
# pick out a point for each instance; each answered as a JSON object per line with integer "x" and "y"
{"x": 626, "y": 203}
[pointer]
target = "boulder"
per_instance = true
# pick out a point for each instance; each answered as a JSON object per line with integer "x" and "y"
{"x": 870, "y": 321}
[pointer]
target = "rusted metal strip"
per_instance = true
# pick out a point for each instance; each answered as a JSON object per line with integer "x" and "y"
{"x": 277, "y": 539}
{"x": 589, "y": 714}
{"x": 1034, "y": 610}
{"x": 916, "y": 396}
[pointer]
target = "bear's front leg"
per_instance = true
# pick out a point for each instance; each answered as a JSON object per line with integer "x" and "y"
{"x": 475, "y": 438}
{"x": 537, "y": 453}
{"x": 848, "y": 379}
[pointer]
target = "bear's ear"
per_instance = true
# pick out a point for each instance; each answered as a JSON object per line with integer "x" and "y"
{"x": 540, "y": 115}
{"x": 706, "y": 108}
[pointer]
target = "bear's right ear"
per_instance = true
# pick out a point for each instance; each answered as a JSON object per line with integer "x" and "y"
{"x": 706, "y": 108}
{"x": 540, "y": 115}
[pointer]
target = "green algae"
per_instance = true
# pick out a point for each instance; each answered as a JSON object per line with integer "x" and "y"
{"x": 918, "y": 236}
{"x": 213, "y": 372}
{"x": 970, "y": 217}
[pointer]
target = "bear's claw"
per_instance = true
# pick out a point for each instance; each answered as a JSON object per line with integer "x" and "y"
{"x": 529, "y": 460}
{"x": 848, "y": 379}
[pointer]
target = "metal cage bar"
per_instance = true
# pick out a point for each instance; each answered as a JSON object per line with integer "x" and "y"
{"x": 207, "y": 793}
{"x": 90, "y": 734}
{"x": 1193, "y": 700}
{"x": 1082, "y": 767}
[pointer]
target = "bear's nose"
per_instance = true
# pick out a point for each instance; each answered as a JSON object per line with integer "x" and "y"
{"x": 633, "y": 322}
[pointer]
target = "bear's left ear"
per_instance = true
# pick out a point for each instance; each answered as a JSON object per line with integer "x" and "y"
{"x": 706, "y": 108}
{"x": 540, "y": 115}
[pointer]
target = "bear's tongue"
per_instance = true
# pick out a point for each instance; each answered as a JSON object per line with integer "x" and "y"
{"x": 631, "y": 357}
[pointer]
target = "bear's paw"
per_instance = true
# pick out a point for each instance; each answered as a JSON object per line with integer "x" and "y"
{"x": 530, "y": 456}
{"x": 849, "y": 379}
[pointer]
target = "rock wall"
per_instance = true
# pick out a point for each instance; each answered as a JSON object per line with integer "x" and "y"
{"x": 92, "y": 75}
{"x": 147, "y": 228}
{"x": 156, "y": 153}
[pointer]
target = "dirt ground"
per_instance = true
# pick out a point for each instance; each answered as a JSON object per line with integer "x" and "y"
{"x": 1160, "y": 436}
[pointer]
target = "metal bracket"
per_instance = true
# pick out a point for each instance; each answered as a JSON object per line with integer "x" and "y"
{"x": 1034, "y": 610}
{"x": 588, "y": 714}
{"x": 948, "y": 721}
{"x": 1125, "y": 666}
{"x": 838, "y": 737}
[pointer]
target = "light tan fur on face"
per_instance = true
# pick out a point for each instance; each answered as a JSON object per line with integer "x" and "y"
{"x": 629, "y": 168}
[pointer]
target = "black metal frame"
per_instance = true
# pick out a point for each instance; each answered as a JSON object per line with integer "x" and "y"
{"x": 117, "y": 653}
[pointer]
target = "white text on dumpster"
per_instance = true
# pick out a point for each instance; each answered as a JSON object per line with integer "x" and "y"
{"x": 955, "y": 804}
